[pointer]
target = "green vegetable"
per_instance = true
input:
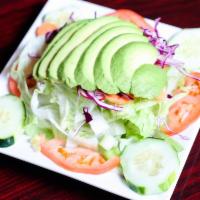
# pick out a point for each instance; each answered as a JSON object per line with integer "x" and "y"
{"x": 132, "y": 131}
{"x": 149, "y": 166}
{"x": 108, "y": 146}
{"x": 165, "y": 185}
{"x": 148, "y": 81}
{"x": 7, "y": 142}
{"x": 12, "y": 116}
{"x": 143, "y": 114}
{"x": 188, "y": 50}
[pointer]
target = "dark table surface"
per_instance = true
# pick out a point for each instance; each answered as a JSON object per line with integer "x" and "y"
{"x": 19, "y": 180}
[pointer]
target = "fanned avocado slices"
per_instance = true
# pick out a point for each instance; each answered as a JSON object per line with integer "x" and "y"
{"x": 105, "y": 53}
{"x": 102, "y": 72}
{"x": 68, "y": 66}
{"x": 55, "y": 46}
{"x": 74, "y": 41}
{"x": 84, "y": 72}
{"x": 127, "y": 59}
{"x": 61, "y": 33}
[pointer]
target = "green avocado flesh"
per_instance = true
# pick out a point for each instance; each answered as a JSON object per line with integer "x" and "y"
{"x": 68, "y": 66}
{"x": 57, "y": 38}
{"x": 102, "y": 71}
{"x": 148, "y": 81}
{"x": 127, "y": 59}
{"x": 55, "y": 47}
{"x": 74, "y": 41}
{"x": 103, "y": 54}
{"x": 84, "y": 72}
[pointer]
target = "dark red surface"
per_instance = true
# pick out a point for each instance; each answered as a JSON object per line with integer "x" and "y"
{"x": 19, "y": 180}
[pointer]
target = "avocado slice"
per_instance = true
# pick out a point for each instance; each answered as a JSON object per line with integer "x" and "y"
{"x": 148, "y": 81}
{"x": 66, "y": 71}
{"x": 102, "y": 71}
{"x": 55, "y": 46}
{"x": 84, "y": 73}
{"x": 62, "y": 32}
{"x": 127, "y": 59}
{"x": 74, "y": 41}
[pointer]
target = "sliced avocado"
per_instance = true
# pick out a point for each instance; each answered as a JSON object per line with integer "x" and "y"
{"x": 84, "y": 73}
{"x": 102, "y": 71}
{"x": 66, "y": 71}
{"x": 148, "y": 81}
{"x": 127, "y": 59}
{"x": 46, "y": 58}
{"x": 75, "y": 40}
{"x": 62, "y": 32}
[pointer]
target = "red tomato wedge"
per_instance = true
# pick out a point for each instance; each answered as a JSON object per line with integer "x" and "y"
{"x": 117, "y": 99}
{"x": 13, "y": 87}
{"x": 45, "y": 28}
{"x": 131, "y": 16}
{"x": 79, "y": 159}
{"x": 186, "y": 110}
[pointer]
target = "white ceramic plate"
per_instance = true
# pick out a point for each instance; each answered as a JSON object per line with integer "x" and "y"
{"x": 110, "y": 181}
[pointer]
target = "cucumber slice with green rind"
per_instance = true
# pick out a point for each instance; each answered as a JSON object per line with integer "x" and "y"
{"x": 149, "y": 166}
{"x": 7, "y": 142}
{"x": 189, "y": 49}
{"x": 12, "y": 116}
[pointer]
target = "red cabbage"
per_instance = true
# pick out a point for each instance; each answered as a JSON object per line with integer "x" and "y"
{"x": 166, "y": 51}
{"x": 98, "y": 100}
{"x": 184, "y": 137}
{"x": 88, "y": 116}
{"x": 33, "y": 56}
{"x": 50, "y": 35}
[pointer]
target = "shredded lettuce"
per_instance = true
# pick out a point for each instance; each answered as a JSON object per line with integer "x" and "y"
{"x": 108, "y": 146}
{"x": 141, "y": 113}
{"x": 59, "y": 105}
{"x": 132, "y": 131}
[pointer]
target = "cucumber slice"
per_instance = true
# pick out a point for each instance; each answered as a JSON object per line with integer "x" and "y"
{"x": 149, "y": 166}
{"x": 189, "y": 48}
{"x": 12, "y": 116}
{"x": 7, "y": 142}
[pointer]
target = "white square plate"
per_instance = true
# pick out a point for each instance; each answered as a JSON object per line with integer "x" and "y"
{"x": 110, "y": 181}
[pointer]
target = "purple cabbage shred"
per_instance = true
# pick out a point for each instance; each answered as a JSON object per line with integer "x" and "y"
{"x": 71, "y": 17}
{"x": 88, "y": 116}
{"x": 50, "y": 35}
{"x": 166, "y": 51}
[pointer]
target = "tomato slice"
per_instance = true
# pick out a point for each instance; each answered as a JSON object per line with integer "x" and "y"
{"x": 31, "y": 82}
{"x": 186, "y": 110}
{"x": 13, "y": 87}
{"x": 118, "y": 99}
{"x": 194, "y": 85}
{"x": 131, "y": 16}
{"x": 45, "y": 28}
{"x": 79, "y": 159}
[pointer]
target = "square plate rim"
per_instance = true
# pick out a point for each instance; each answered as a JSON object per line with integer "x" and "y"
{"x": 24, "y": 139}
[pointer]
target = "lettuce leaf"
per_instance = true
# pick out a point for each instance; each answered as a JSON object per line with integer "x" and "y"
{"x": 59, "y": 105}
{"x": 142, "y": 114}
